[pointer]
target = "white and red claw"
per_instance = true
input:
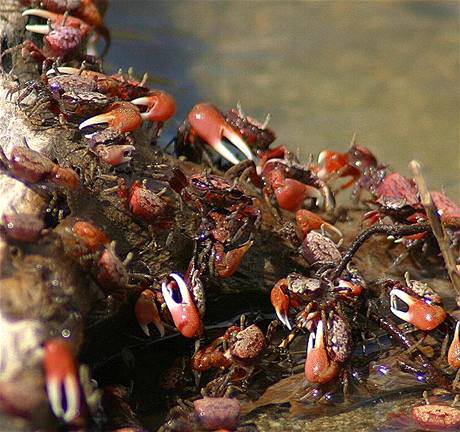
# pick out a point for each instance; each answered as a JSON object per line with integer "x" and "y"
{"x": 319, "y": 368}
{"x": 453, "y": 355}
{"x": 161, "y": 106}
{"x": 423, "y": 315}
{"x": 121, "y": 116}
{"x": 146, "y": 312}
{"x": 56, "y": 19}
{"x": 184, "y": 313}
{"x": 281, "y": 302}
{"x": 210, "y": 125}
{"x": 62, "y": 383}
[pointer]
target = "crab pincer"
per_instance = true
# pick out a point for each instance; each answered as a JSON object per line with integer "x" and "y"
{"x": 210, "y": 125}
{"x": 319, "y": 368}
{"x": 146, "y": 312}
{"x": 280, "y": 300}
{"x": 115, "y": 154}
{"x": 422, "y": 314}
{"x": 183, "y": 311}
{"x": 62, "y": 383}
{"x": 453, "y": 355}
{"x": 121, "y": 116}
{"x": 160, "y": 106}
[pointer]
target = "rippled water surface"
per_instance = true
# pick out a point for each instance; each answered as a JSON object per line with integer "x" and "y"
{"x": 386, "y": 70}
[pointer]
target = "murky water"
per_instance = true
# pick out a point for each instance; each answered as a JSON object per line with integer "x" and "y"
{"x": 386, "y": 70}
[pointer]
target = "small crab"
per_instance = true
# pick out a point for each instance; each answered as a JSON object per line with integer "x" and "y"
{"x": 31, "y": 166}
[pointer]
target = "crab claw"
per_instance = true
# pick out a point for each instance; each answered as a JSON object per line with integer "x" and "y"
{"x": 227, "y": 263}
{"x": 453, "y": 356}
{"x": 116, "y": 154}
{"x": 281, "y": 301}
{"x": 146, "y": 312}
{"x": 122, "y": 116}
{"x": 318, "y": 368}
{"x": 184, "y": 314}
{"x": 209, "y": 124}
{"x": 348, "y": 288}
{"x": 308, "y": 221}
{"x": 161, "y": 106}
{"x": 42, "y": 13}
{"x": 62, "y": 383}
{"x": 422, "y": 315}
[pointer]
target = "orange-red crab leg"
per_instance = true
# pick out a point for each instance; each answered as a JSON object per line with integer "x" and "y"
{"x": 422, "y": 315}
{"x": 453, "y": 356}
{"x": 62, "y": 383}
{"x": 281, "y": 301}
{"x": 122, "y": 116}
{"x": 209, "y": 124}
{"x": 161, "y": 106}
{"x": 184, "y": 314}
{"x": 318, "y": 368}
{"x": 146, "y": 312}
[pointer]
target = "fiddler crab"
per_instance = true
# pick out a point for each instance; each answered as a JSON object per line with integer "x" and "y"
{"x": 69, "y": 25}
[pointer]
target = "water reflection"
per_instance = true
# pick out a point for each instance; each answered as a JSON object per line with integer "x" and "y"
{"x": 387, "y": 70}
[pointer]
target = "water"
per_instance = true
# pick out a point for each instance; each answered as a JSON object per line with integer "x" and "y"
{"x": 324, "y": 70}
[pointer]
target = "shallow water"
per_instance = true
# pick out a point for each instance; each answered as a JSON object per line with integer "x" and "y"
{"x": 386, "y": 70}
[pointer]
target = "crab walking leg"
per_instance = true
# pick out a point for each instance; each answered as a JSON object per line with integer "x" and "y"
{"x": 146, "y": 312}
{"x": 422, "y": 315}
{"x": 184, "y": 314}
{"x": 318, "y": 368}
{"x": 62, "y": 383}
{"x": 209, "y": 124}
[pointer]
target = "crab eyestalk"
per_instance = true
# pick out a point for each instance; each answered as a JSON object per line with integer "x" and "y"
{"x": 453, "y": 355}
{"x": 318, "y": 368}
{"x": 184, "y": 312}
{"x": 281, "y": 301}
{"x": 422, "y": 315}
{"x": 161, "y": 106}
{"x": 62, "y": 383}
{"x": 210, "y": 125}
{"x": 121, "y": 116}
{"x": 146, "y": 312}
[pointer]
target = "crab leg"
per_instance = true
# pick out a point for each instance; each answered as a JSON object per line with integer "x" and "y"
{"x": 184, "y": 314}
{"x": 422, "y": 315}
{"x": 209, "y": 124}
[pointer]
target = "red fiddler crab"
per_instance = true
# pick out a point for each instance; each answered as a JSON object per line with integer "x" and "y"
{"x": 238, "y": 350}
{"x": 416, "y": 303}
{"x": 291, "y": 183}
{"x": 63, "y": 36}
{"x": 318, "y": 310}
{"x": 229, "y": 221}
{"x": 206, "y": 127}
{"x": 31, "y": 166}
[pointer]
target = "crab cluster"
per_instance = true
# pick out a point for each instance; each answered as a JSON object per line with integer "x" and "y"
{"x": 326, "y": 301}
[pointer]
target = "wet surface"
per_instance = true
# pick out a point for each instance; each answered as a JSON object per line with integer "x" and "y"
{"x": 386, "y": 70}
